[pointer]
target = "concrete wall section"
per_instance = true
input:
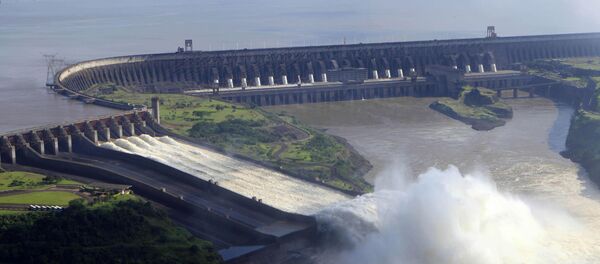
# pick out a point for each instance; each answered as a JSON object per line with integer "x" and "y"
{"x": 240, "y": 68}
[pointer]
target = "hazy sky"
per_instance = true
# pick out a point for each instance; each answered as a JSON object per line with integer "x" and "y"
{"x": 92, "y": 28}
{"x": 232, "y": 20}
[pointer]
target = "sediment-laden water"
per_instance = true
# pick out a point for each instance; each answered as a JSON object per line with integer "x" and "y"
{"x": 521, "y": 203}
{"x": 275, "y": 189}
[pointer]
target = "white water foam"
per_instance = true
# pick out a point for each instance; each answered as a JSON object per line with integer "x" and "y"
{"x": 447, "y": 217}
{"x": 275, "y": 189}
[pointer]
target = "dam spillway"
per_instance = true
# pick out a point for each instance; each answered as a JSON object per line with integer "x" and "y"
{"x": 272, "y": 188}
{"x": 197, "y": 186}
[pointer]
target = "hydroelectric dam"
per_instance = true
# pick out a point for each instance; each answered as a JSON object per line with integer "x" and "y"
{"x": 249, "y": 211}
{"x": 327, "y": 73}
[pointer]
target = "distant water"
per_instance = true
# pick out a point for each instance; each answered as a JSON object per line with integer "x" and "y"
{"x": 78, "y": 30}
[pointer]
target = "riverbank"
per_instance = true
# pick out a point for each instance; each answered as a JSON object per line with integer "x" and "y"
{"x": 274, "y": 140}
{"x": 582, "y": 141}
{"x": 478, "y": 107}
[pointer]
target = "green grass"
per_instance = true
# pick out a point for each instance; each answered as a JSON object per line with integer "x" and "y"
{"x": 463, "y": 110}
{"x": 11, "y": 212}
{"x": 68, "y": 182}
{"x": 573, "y": 71}
{"x": 180, "y": 112}
{"x": 20, "y": 180}
{"x": 589, "y": 63}
{"x": 42, "y": 198}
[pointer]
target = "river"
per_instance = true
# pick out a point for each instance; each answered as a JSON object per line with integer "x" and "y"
{"x": 402, "y": 137}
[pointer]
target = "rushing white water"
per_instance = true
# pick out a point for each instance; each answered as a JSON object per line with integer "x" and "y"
{"x": 447, "y": 217}
{"x": 275, "y": 189}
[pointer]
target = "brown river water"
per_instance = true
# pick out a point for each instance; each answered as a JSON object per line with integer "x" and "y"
{"x": 522, "y": 157}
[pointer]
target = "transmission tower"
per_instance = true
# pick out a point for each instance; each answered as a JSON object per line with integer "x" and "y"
{"x": 53, "y": 64}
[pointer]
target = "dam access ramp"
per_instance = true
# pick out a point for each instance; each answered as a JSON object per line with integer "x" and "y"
{"x": 232, "y": 203}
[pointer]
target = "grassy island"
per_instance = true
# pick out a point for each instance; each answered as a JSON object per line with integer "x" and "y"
{"x": 247, "y": 130}
{"x": 478, "y": 107}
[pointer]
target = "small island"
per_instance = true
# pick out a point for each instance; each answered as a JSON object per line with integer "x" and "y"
{"x": 476, "y": 106}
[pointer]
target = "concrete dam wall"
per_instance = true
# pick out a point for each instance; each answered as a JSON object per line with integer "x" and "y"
{"x": 180, "y": 71}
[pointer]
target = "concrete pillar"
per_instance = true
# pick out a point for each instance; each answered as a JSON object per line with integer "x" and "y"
{"x": 468, "y": 68}
{"x": 400, "y": 74}
{"x": 493, "y": 67}
{"x": 388, "y": 74}
{"x": 132, "y": 129}
{"x": 515, "y": 93}
{"x": 12, "y": 155}
{"x": 66, "y": 142}
{"x": 531, "y": 92}
{"x": 311, "y": 78}
{"x": 119, "y": 129}
{"x": 257, "y": 81}
{"x": 229, "y": 83}
{"x": 38, "y": 146}
{"x": 375, "y": 75}
{"x": 94, "y": 136}
{"x": 54, "y": 145}
{"x": 324, "y": 77}
{"x": 284, "y": 79}
{"x": 107, "y": 133}
{"x": 216, "y": 82}
{"x": 480, "y": 68}
{"x": 156, "y": 109}
{"x": 299, "y": 79}
{"x": 244, "y": 83}
{"x": 271, "y": 80}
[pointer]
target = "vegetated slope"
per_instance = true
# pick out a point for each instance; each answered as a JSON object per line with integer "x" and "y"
{"x": 127, "y": 231}
{"x": 583, "y": 145}
{"x": 276, "y": 140}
